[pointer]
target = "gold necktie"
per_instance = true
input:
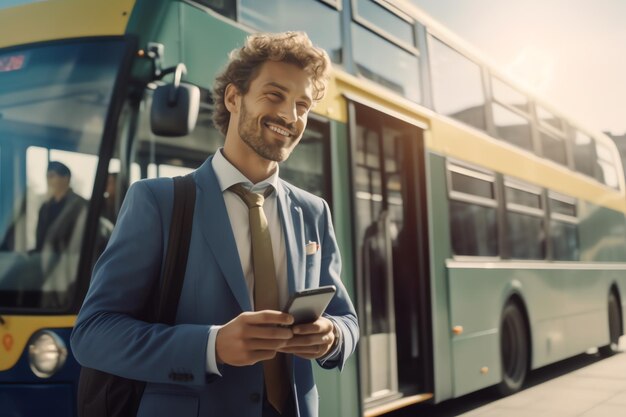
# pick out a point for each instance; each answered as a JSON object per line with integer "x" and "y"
{"x": 265, "y": 289}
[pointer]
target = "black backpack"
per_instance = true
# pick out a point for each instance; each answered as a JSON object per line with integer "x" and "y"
{"x": 105, "y": 395}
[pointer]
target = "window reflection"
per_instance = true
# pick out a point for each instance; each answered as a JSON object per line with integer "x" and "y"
{"x": 386, "y": 20}
{"x": 553, "y": 147}
{"x": 564, "y": 241}
{"x": 525, "y": 236}
{"x": 308, "y": 167}
{"x": 401, "y": 77}
{"x": 473, "y": 219}
{"x": 53, "y": 110}
{"x": 512, "y": 127}
{"x": 606, "y": 172}
{"x": 457, "y": 85}
{"x": 508, "y": 96}
{"x": 547, "y": 118}
{"x": 320, "y": 21}
{"x": 584, "y": 154}
{"x": 474, "y": 229}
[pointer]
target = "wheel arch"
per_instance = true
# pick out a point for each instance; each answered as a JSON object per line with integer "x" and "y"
{"x": 515, "y": 296}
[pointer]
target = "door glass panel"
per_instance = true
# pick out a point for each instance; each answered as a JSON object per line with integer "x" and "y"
{"x": 386, "y": 245}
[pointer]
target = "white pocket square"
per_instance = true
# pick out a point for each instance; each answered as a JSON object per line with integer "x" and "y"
{"x": 311, "y": 248}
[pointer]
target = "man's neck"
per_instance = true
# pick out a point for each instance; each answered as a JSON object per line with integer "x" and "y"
{"x": 249, "y": 163}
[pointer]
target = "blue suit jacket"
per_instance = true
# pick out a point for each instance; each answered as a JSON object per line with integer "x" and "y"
{"x": 172, "y": 359}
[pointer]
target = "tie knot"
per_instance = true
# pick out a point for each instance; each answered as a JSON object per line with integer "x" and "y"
{"x": 251, "y": 199}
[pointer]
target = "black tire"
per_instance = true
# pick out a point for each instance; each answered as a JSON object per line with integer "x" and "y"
{"x": 514, "y": 350}
{"x": 615, "y": 327}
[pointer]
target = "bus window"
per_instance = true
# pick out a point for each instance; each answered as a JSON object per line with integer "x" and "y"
{"x": 584, "y": 154}
{"x": 55, "y": 217}
{"x": 546, "y": 118}
{"x": 399, "y": 29}
{"x": 553, "y": 147}
{"x": 508, "y": 96}
{"x": 156, "y": 156}
{"x": 606, "y": 173}
{"x": 563, "y": 227}
{"x": 372, "y": 55}
{"x": 510, "y": 115}
{"x": 318, "y": 19}
{"x": 53, "y": 111}
{"x": 525, "y": 235}
{"x": 226, "y": 8}
{"x": 512, "y": 127}
{"x": 308, "y": 167}
{"x": 473, "y": 219}
{"x": 457, "y": 85}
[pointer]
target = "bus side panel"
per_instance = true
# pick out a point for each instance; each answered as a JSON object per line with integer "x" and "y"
{"x": 339, "y": 391}
{"x": 207, "y": 40}
{"x": 567, "y": 312}
{"x": 439, "y": 243}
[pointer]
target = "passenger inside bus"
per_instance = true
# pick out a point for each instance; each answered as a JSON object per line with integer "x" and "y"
{"x": 49, "y": 269}
{"x": 57, "y": 216}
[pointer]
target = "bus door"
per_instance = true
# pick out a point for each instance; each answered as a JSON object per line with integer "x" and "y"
{"x": 391, "y": 256}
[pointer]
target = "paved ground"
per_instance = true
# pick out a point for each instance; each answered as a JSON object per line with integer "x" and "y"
{"x": 596, "y": 390}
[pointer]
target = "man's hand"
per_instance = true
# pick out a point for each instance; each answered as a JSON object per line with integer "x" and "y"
{"x": 252, "y": 337}
{"x": 311, "y": 340}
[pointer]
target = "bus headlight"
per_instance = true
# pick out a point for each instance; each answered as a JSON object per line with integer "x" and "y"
{"x": 46, "y": 353}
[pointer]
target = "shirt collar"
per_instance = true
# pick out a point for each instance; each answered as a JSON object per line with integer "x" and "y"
{"x": 227, "y": 175}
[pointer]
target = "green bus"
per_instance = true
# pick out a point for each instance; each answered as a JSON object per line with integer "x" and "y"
{"x": 482, "y": 231}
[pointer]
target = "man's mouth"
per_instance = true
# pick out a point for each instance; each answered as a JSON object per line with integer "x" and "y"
{"x": 278, "y": 130}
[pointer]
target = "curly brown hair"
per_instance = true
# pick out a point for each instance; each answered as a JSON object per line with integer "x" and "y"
{"x": 291, "y": 47}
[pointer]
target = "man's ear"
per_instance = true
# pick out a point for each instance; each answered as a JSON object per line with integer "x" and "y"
{"x": 232, "y": 98}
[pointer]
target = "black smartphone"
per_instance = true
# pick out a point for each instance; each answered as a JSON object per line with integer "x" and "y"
{"x": 306, "y": 306}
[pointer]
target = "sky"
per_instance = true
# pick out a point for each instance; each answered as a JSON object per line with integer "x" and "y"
{"x": 570, "y": 52}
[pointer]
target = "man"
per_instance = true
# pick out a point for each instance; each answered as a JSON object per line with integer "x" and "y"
{"x": 59, "y": 234}
{"x": 57, "y": 216}
{"x": 229, "y": 354}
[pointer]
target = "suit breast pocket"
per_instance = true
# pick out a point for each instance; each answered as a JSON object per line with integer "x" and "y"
{"x": 167, "y": 405}
{"x": 313, "y": 269}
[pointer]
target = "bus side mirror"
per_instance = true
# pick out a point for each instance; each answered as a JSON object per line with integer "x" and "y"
{"x": 175, "y": 107}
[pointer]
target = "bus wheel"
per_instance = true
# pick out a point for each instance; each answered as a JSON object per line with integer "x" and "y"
{"x": 615, "y": 326}
{"x": 513, "y": 350}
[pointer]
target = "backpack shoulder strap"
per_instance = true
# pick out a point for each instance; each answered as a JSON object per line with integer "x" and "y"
{"x": 177, "y": 248}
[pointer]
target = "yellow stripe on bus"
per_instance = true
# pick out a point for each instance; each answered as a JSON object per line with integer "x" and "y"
{"x": 16, "y": 331}
{"x": 61, "y": 19}
{"x": 452, "y": 139}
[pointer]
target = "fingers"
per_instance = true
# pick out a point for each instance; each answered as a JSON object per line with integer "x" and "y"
{"x": 267, "y": 317}
{"x": 310, "y": 340}
{"x": 266, "y": 332}
{"x": 320, "y": 326}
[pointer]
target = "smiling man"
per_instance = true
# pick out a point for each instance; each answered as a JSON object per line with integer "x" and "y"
{"x": 256, "y": 240}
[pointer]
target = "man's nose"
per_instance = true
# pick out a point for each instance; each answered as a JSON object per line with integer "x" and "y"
{"x": 288, "y": 112}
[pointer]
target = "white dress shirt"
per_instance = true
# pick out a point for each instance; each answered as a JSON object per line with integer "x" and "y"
{"x": 227, "y": 175}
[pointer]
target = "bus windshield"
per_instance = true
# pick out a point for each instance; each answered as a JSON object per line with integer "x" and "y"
{"x": 54, "y": 99}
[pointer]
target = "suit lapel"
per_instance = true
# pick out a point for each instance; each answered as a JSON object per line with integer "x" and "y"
{"x": 217, "y": 231}
{"x": 293, "y": 229}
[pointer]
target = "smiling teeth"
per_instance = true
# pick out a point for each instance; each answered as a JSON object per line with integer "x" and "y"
{"x": 278, "y": 130}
